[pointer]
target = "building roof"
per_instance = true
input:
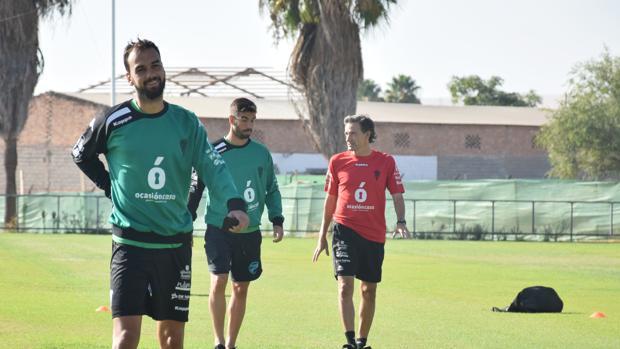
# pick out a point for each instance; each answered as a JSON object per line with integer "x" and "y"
{"x": 251, "y": 82}
{"x": 279, "y": 109}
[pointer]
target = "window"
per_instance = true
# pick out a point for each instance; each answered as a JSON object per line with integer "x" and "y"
{"x": 401, "y": 140}
{"x": 472, "y": 142}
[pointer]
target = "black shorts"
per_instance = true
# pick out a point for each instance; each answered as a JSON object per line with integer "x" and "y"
{"x": 356, "y": 256}
{"x": 237, "y": 253}
{"x": 153, "y": 282}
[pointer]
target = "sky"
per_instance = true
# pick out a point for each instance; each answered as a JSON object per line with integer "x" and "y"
{"x": 531, "y": 44}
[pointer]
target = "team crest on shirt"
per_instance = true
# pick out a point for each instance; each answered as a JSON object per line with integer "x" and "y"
{"x": 377, "y": 174}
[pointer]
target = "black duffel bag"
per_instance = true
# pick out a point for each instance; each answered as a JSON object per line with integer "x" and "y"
{"x": 535, "y": 299}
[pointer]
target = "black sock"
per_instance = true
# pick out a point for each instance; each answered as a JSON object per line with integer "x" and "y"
{"x": 350, "y": 337}
{"x": 361, "y": 342}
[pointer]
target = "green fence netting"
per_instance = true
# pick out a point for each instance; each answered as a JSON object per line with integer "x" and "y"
{"x": 482, "y": 209}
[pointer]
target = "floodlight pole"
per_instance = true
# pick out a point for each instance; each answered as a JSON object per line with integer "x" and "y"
{"x": 113, "y": 77}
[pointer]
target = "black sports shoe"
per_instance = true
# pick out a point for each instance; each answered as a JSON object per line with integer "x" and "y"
{"x": 220, "y": 346}
{"x": 363, "y": 347}
{"x": 349, "y": 346}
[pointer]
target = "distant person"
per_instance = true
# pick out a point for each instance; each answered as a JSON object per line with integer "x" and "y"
{"x": 355, "y": 184}
{"x": 150, "y": 147}
{"x": 252, "y": 168}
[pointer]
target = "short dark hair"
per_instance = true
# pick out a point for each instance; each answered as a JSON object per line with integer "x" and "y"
{"x": 242, "y": 105}
{"x": 366, "y": 124}
{"x": 140, "y": 45}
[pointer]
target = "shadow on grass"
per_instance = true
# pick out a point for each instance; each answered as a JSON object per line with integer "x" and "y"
{"x": 204, "y": 295}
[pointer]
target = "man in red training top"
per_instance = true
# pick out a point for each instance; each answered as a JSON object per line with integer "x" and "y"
{"x": 355, "y": 184}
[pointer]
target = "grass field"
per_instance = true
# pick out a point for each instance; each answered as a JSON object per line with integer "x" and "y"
{"x": 435, "y": 294}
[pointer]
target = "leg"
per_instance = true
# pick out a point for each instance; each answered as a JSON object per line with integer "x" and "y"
{"x": 345, "y": 302}
{"x": 126, "y": 332}
{"x": 236, "y": 311}
{"x": 367, "y": 307}
{"x": 170, "y": 334}
{"x": 217, "y": 305}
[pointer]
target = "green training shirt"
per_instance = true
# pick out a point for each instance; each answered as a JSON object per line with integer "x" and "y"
{"x": 251, "y": 167}
{"x": 150, "y": 159}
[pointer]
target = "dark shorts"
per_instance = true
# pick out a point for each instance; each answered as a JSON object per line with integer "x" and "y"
{"x": 356, "y": 256}
{"x": 236, "y": 253}
{"x": 153, "y": 282}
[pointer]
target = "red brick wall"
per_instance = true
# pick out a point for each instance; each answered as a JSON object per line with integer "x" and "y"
{"x": 56, "y": 121}
{"x": 442, "y": 140}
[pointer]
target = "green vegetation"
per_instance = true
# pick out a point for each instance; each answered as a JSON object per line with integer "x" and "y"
{"x": 473, "y": 90}
{"x": 435, "y": 294}
{"x": 581, "y": 137}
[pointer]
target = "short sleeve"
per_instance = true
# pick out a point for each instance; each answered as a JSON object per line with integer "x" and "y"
{"x": 331, "y": 179}
{"x": 394, "y": 182}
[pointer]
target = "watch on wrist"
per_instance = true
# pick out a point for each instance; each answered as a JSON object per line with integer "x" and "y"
{"x": 401, "y": 221}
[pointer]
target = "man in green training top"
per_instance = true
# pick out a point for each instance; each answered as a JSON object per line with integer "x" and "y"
{"x": 150, "y": 147}
{"x": 251, "y": 166}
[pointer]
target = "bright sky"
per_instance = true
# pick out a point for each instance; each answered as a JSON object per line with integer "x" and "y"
{"x": 532, "y": 44}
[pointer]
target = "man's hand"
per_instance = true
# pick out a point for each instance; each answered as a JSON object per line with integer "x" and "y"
{"x": 401, "y": 229}
{"x": 241, "y": 217}
{"x": 320, "y": 246}
{"x": 278, "y": 233}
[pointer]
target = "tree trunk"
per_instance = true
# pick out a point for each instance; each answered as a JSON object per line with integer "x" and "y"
{"x": 18, "y": 77}
{"x": 327, "y": 63}
{"x": 10, "y": 165}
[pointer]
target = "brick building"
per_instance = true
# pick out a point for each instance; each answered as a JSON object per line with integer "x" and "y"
{"x": 429, "y": 142}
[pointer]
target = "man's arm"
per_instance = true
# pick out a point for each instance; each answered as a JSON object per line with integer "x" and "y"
{"x": 196, "y": 189}
{"x": 212, "y": 171}
{"x": 399, "y": 207}
{"x": 86, "y": 152}
{"x": 329, "y": 206}
{"x": 273, "y": 201}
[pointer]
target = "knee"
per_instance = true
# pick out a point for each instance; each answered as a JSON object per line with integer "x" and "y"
{"x": 126, "y": 339}
{"x": 218, "y": 284}
{"x": 240, "y": 290}
{"x": 369, "y": 293}
{"x": 171, "y": 340}
{"x": 345, "y": 290}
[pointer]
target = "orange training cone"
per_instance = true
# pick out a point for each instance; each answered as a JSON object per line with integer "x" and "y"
{"x": 598, "y": 315}
{"x": 103, "y": 308}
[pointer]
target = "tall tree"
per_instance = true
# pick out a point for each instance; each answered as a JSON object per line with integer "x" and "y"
{"x": 326, "y": 62}
{"x": 472, "y": 90}
{"x": 20, "y": 66}
{"x": 369, "y": 91}
{"x": 402, "y": 89}
{"x": 582, "y": 136}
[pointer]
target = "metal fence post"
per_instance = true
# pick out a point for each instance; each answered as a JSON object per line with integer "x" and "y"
{"x": 296, "y": 215}
{"x": 492, "y": 219}
{"x": 611, "y": 219}
{"x": 57, "y": 212}
{"x": 414, "y": 201}
{"x": 571, "y": 221}
{"x": 533, "y": 218}
{"x": 97, "y": 213}
{"x": 454, "y": 216}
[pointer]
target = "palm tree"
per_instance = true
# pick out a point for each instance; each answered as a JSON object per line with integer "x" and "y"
{"x": 402, "y": 89}
{"x": 326, "y": 62}
{"x": 20, "y": 67}
{"x": 369, "y": 91}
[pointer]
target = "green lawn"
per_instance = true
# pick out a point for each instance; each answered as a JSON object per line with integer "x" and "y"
{"x": 435, "y": 294}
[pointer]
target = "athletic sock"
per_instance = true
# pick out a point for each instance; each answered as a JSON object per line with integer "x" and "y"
{"x": 361, "y": 342}
{"x": 350, "y": 337}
